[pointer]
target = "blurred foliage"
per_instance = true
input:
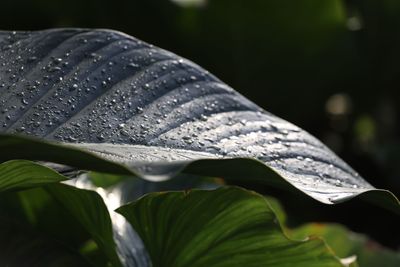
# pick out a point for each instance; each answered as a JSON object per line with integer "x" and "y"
{"x": 346, "y": 244}
{"x": 341, "y": 240}
{"x": 330, "y": 66}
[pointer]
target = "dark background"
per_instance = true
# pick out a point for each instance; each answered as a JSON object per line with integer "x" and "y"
{"x": 331, "y": 67}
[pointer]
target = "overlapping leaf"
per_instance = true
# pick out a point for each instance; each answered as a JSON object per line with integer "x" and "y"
{"x": 85, "y": 206}
{"x": 225, "y": 227}
{"x": 23, "y": 173}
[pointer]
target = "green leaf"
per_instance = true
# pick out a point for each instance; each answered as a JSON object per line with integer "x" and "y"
{"x": 21, "y": 246}
{"x": 346, "y": 243}
{"x": 105, "y": 180}
{"x": 90, "y": 210}
{"x": 225, "y": 227}
{"x": 85, "y": 206}
{"x": 133, "y": 103}
{"x": 17, "y": 174}
{"x": 36, "y": 208}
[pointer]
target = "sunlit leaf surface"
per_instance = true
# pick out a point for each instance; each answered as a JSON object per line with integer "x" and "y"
{"x": 208, "y": 228}
{"x": 131, "y": 102}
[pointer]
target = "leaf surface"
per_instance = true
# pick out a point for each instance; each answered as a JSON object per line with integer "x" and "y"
{"x": 136, "y": 104}
{"x": 24, "y": 174}
{"x": 85, "y": 206}
{"x": 207, "y": 228}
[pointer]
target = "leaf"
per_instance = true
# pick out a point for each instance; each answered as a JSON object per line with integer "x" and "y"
{"x": 207, "y": 228}
{"x": 341, "y": 240}
{"x": 20, "y": 246}
{"x": 114, "y": 236}
{"x": 130, "y": 102}
{"x": 89, "y": 209}
{"x": 24, "y": 174}
{"x": 85, "y": 206}
{"x": 36, "y": 208}
{"x": 346, "y": 243}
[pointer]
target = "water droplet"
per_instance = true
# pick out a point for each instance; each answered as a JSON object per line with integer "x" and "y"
{"x": 31, "y": 59}
{"x": 73, "y": 87}
{"x": 54, "y": 69}
{"x": 133, "y": 65}
{"x": 57, "y": 60}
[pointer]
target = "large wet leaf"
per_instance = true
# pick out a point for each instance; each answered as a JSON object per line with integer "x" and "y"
{"x": 207, "y": 228}
{"x": 131, "y": 102}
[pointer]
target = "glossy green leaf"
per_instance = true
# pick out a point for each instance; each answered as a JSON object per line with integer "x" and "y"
{"x": 90, "y": 210}
{"x": 17, "y": 174}
{"x": 224, "y": 227}
{"x": 85, "y": 206}
{"x": 38, "y": 210}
